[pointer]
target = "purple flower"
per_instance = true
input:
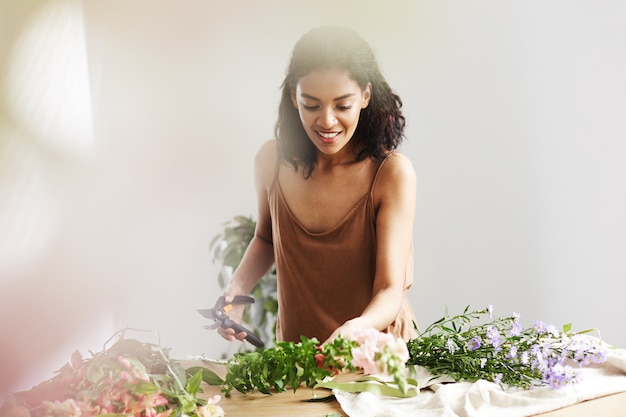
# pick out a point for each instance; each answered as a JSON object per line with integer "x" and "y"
{"x": 560, "y": 375}
{"x": 474, "y": 343}
{"x": 492, "y": 337}
{"x": 540, "y": 327}
{"x": 516, "y": 329}
{"x": 535, "y": 350}
{"x": 513, "y": 352}
{"x": 524, "y": 359}
{"x": 451, "y": 346}
{"x": 553, "y": 331}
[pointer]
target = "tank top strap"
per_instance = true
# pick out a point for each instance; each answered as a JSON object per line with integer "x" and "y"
{"x": 275, "y": 178}
{"x": 380, "y": 165}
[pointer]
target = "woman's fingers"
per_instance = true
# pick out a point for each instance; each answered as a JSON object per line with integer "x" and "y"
{"x": 229, "y": 334}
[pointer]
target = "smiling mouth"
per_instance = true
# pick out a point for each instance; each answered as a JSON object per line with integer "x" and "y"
{"x": 327, "y": 136}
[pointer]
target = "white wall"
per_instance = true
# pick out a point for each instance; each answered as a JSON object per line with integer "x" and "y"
{"x": 515, "y": 126}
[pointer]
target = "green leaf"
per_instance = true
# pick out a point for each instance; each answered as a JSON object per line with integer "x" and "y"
{"x": 188, "y": 403}
{"x": 370, "y": 386}
{"x": 193, "y": 384}
{"x": 208, "y": 376}
{"x": 271, "y": 305}
{"x": 147, "y": 388}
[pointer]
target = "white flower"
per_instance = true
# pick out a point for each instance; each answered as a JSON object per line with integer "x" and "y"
{"x": 211, "y": 409}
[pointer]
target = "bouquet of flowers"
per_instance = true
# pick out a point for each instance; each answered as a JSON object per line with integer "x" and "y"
{"x": 470, "y": 346}
{"x": 502, "y": 351}
{"x": 290, "y": 365}
{"x": 130, "y": 378}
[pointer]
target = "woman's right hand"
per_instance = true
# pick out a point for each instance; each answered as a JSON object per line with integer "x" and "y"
{"x": 235, "y": 314}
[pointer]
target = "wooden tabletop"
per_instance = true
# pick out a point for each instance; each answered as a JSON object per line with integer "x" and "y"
{"x": 290, "y": 404}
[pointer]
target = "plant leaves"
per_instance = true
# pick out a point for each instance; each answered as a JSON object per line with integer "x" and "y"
{"x": 369, "y": 386}
{"x": 193, "y": 384}
{"x": 207, "y": 375}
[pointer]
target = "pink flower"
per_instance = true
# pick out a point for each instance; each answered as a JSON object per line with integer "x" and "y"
{"x": 135, "y": 369}
{"x": 378, "y": 352}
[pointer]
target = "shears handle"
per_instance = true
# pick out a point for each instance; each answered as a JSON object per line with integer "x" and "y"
{"x": 238, "y": 328}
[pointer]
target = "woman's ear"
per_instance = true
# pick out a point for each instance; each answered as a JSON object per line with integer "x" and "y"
{"x": 367, "y": 95}
{"x": 293, "y": 98}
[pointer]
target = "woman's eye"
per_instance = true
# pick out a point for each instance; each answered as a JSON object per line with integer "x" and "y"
{"x": 310, "y": 107}
{"x": 345, "y": 107}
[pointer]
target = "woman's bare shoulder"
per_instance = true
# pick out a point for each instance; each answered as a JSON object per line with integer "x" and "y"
{"x": 396, "y": 183}
{"x": 267, "y": 150}
{"x": 398, "y": 166}
{"x": 265, "y": 161}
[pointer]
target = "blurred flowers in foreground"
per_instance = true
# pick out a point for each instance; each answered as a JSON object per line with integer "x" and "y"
{"x": 130, "y": 378}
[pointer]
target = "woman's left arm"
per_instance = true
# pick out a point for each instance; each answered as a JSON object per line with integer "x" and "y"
{"x": 394, "y": 200}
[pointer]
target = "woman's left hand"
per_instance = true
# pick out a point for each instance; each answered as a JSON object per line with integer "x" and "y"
{"x": 348, "y": 329}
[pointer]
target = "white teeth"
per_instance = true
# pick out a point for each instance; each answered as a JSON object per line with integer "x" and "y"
{"x": 327, "y": 135}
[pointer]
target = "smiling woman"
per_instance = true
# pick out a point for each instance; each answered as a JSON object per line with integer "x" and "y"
{"x": 336, "y": 200}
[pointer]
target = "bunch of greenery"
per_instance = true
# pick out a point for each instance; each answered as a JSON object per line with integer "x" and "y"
{"x": 287, "y": 365}
{"x": 475, "y": 345}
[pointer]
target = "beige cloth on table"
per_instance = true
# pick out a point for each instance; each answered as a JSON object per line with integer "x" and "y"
{"x": 487, "y": 399}
{"x": 325, "y": 279}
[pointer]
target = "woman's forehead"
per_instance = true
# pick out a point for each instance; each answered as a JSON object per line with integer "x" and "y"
{"x": 327, "y": 81}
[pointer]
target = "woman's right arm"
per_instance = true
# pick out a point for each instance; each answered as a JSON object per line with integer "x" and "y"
{"x": 259, "y": 256}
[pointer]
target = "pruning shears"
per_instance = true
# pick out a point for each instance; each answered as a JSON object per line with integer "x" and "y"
{"x": 218, "y": 314}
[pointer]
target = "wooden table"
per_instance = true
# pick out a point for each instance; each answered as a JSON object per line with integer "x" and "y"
{"x": 290, "y": 404}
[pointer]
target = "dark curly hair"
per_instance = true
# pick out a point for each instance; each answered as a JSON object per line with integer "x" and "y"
{"x": 381, "y": 124}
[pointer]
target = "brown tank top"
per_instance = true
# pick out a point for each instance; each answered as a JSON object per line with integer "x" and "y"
{"x": 325, "y": 279}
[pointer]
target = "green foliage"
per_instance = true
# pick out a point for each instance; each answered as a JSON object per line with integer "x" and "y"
{"x": 287, "y": 365}
{"x": 228, "y": 248}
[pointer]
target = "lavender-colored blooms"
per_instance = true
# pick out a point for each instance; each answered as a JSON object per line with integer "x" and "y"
{"x": 552, "y": 330}
{"x": 474, "y": 343}
{"x": 525, "y": 358}
{"x": 540, "y": 327}
{"x": 560, "y": 375}
{"x": 507, "y": 353}
{"x": 493, "y": 338}
{"x": 515, "y": 330}
{"x": 451, "y": 346}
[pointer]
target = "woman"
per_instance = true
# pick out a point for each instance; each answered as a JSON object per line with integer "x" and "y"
{"x": 336, "y": 201}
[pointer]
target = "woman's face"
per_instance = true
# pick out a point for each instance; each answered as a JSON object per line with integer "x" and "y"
{"x": 329, "y": 103}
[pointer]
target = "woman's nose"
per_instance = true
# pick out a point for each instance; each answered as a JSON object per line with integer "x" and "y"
{"x": 327, "y": 118}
